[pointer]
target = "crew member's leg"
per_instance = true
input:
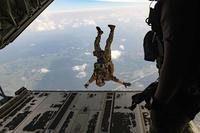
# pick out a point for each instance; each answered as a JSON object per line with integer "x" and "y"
{"x": 167, "y": 123}
{"x": 109, "y": 42}
{"x": 97, "y": 47}
{"x": 171, "y": 119}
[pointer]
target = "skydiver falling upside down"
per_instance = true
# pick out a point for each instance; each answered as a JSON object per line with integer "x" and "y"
{"x": 104, "y": 68}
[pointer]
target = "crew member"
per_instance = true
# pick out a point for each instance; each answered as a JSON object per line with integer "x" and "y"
{"x": 177, "y": 97}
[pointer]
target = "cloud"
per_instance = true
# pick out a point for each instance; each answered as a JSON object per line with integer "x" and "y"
{"x": 140, "y": 54}
{"x": 48, "y": 23}
{"x": 124, "y": 20}
{"x": 76, "y": 25}
{"x": 45, "y": 25}
{"x": 81, "y": 69}
{"x": 41, "y": 70}
{"x": 139, "y": 73}
{"x": 83, "y": 22}
{"x": 81, "y": 75}
{"x": 42, "y": 55}
{"x": 44, "y": 70}
{"x": 63, "y": 20}
{"x": 32, "y": 44}
{"x": 61, "y": 26}
{"x": 89, "y": 22}
{"x": 87, "y": 53}
{"x": 121, "y": 47}
{"x": 123, "y": 40}
{"x": 139, "y": 85}
{"x": 23, "y": 78}
{"x": 33, "y": 70}
{"x": 115, "y": 54}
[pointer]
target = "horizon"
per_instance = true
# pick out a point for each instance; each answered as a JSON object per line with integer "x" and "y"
{"x": 66, "y": 5}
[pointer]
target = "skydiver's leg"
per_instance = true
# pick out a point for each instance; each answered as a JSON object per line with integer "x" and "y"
{"x": 109, "y": 42}
{"x": 97, "y": 40}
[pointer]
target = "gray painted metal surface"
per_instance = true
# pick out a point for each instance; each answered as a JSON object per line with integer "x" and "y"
{"x": 16, "y": 15}
{"x": 73, "y": 112}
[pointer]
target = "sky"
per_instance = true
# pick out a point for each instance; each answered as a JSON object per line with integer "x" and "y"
{"x": 65, "y": 23}
{"x": 85, "y": 4}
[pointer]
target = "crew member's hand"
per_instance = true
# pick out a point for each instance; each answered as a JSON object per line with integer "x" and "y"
{"x": 86, "y": 85}
{"x": 126, "y": 84}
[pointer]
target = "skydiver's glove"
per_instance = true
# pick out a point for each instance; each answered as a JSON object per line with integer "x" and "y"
{"x": 126, "y": 84}
{"x": 86, "y": 85}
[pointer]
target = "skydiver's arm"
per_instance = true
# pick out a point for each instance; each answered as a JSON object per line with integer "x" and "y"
{"x": 126, "y": 84}
{"x": 115, "y": 79}
{"x": 92, "y": 78}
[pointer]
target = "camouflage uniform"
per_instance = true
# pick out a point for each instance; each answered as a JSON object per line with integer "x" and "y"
{"x": 106, "y": 71}
{"x": 104, "y": 65}
{"x": 104, "y": 68}
{"x": 103, "y": 55}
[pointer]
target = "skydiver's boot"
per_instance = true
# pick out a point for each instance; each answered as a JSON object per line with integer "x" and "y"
{"x": 100, "y": 32}
{"x": 112, "y": 27}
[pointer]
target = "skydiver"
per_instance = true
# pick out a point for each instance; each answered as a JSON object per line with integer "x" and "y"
{"x": 104, "y": 68}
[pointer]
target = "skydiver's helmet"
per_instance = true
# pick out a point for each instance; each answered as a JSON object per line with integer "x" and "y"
{"x": 100, "y": 80}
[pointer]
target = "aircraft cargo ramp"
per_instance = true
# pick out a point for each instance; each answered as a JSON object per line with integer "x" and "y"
{"x": 73, "y": 112}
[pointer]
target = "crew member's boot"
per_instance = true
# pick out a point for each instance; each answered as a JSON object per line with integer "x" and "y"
{"x": 99, "y": 30}
{"x": 112, "y": 27}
